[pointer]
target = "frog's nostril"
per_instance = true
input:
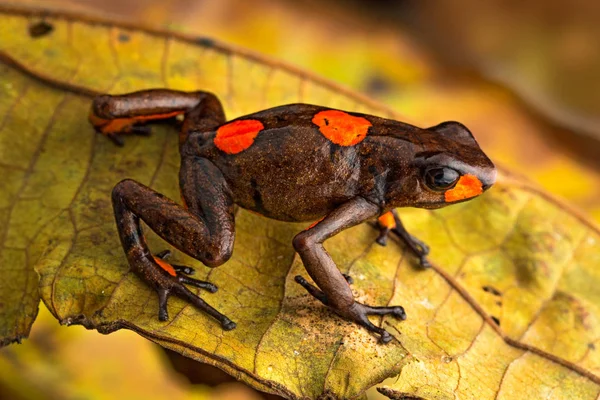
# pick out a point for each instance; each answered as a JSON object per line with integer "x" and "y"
{"x": 489, "y": 180}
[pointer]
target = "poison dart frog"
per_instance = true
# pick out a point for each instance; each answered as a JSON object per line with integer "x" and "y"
{"x": 296, "y": 162}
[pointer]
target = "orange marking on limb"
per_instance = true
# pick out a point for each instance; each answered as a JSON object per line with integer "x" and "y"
{"x": 123, "y": 125}
{"x": 315, "y": 223}
{"x": 341, "y": 128}
{"x": 237, "y": 136}
{"x": 387, "y": 220}
{"x": 183, "y": 202}
{"x": 166, "y": 266}
{"x": 467, "y": 186}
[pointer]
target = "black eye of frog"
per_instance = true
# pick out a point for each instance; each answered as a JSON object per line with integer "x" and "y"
{"x": 441, "y": 178}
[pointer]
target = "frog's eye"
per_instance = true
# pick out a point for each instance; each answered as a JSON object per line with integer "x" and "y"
{"x": 441, "y": 179}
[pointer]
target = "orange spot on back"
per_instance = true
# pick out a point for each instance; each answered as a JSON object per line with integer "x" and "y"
{"x": 166, "y": 266}
{"x": 341, "y": 128}
{"x": 387, "y": 220}
{"x": 467, "y": 186}
{"x": 237, "y": 136}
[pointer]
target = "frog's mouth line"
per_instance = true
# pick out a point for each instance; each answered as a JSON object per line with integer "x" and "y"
{"x": 442, "y": 204}
{"x": 433, "y": 206}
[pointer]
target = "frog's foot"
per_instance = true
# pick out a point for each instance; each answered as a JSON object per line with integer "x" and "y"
{"x": 390, "y": 223}
{"x": 177, "y": 288}
{"x": 357, "y": 312}
{"x": 174, "y": 283}
{"x": 180, "y": 272}
{"x": 114, "y": 129}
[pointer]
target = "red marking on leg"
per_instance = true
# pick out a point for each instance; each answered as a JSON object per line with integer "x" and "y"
{"x": 315, "y": 223}
{"x": 166, "y": 266}
{"x": 341, "y": 128}
{"x": 237, "y": 136}
{"x": 467, "y": 186}
{"x": 123, "y": 125}
{"x": 387, "y": 220}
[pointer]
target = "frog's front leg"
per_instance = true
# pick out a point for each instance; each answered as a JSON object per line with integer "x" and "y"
{"x": 390, "y": 222}
{"x": 336, "y": 292}
{"x": 205, "y": 231}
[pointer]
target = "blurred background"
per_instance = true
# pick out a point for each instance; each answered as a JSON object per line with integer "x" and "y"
{"x": 523, "y": 76}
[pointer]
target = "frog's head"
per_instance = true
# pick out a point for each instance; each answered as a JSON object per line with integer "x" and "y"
{"x": 449, "y": 168}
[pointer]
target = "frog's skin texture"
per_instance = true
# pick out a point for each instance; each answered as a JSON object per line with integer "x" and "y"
{"x": 296, "y": 162}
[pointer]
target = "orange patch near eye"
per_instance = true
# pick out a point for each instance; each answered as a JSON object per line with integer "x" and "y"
{"x": 341, "y": 128}
{"x": 166, "y": 266}
{"x": 387, "y": 220}
{"x": 237, "y": 136}
{"x": 467, "y": 186}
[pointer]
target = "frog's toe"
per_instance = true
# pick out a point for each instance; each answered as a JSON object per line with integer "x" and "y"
{"x": 359, "y": 313}
{"x": 228, "y": 324}
{"x": 210, "y": 287}
{"x": 382, "y": 238}
{"x": 184, "y": 269}
{"x": 163, "y": 255}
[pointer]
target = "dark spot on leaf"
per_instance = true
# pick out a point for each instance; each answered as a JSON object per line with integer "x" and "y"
{"x": 499, "y": 303}
{"x": 377, "y": 85}
{"x": 496, "y": 320}
{"x": 123, "y": 37}
{"x": 39, "y": 29}
{"x": 591, "y": 346}
{"x": 492, "y": 290}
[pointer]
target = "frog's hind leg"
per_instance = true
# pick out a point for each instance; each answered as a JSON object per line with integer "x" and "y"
{"x": 127, "y": 113}
{"x": 205, "y": 232}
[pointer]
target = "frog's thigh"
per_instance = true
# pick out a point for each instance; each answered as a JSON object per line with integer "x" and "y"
{"x": 207, "y": 237}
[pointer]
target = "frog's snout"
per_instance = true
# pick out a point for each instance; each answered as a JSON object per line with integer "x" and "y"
{"x": 488, "y": 179}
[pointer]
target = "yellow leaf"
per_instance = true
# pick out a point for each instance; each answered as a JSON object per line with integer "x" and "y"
{"x": 514, "y": 256}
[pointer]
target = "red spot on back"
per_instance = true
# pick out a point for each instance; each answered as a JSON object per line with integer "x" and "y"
{"x": 467, "y": 186}
{"x": 341, "y": 128}
{"x": 237, "y": 136}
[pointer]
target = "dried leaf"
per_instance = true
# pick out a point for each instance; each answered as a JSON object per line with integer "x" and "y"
{"x": 514, "y": 255}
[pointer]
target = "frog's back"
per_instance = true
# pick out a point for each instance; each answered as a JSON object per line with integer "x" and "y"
{"x": 284, "y": 162}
